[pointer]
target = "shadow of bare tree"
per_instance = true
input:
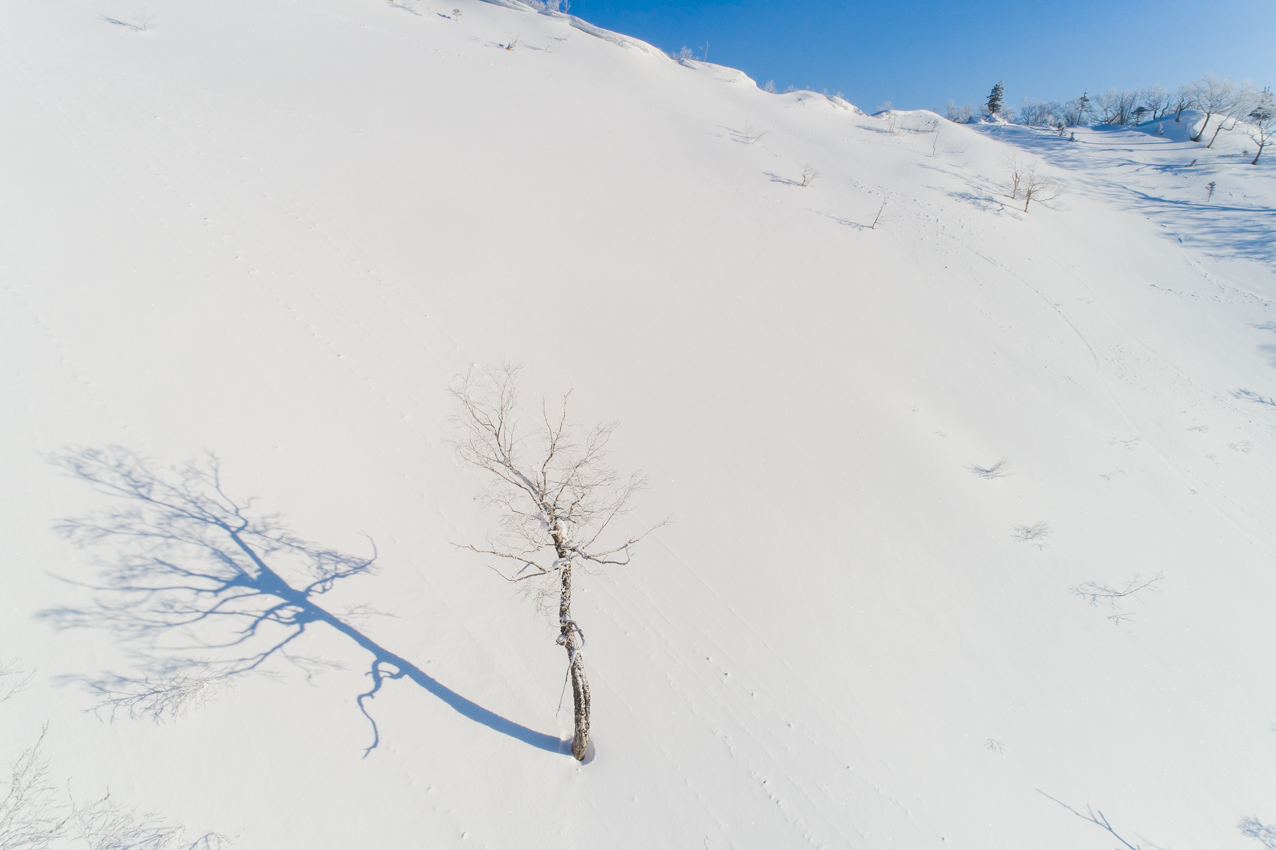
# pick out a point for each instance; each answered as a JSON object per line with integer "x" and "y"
{"x": 206, "y": 589}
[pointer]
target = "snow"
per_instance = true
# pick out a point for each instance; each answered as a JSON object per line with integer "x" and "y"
{"x": 276, "y": 231}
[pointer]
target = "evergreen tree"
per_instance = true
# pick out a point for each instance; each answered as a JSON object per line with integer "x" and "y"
{"x": 995, "y": 98}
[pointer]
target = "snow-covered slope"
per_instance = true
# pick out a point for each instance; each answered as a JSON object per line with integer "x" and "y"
{"x": 275, "y": 230}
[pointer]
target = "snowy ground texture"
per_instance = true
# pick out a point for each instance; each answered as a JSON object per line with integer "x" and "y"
{"x": 275, "y": 230}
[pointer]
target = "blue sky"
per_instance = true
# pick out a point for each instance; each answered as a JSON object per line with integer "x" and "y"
{"x": 920, "y": 54}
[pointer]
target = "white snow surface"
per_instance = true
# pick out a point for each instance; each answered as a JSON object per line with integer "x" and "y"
{"x": 276, "y": 230}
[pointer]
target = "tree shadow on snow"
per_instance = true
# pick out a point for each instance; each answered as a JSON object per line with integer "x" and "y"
{"x": 206, "y": 590}
{"x": 1220, "y": 230}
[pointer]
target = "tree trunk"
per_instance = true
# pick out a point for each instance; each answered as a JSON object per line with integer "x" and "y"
{"x": 1203, "y": 126}
{"x": 1216, "y": 132}
{"x": 1261, "y": 145}
{"x": 569, "y": 636}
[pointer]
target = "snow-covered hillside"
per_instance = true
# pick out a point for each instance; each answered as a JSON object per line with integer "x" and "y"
{"x": 276, "y": 230}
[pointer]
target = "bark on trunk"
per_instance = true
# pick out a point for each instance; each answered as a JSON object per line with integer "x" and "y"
{"x": 570, "y": 637}
{"x": 1203, "y": 126}
{"x": 1217, "y": 130}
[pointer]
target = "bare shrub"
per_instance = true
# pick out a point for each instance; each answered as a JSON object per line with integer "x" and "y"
{"x": 1117, "y": 597}
{"x": 1000, "y": 469}
{"x": 749, "y": 135}
{"x": 14, "y": 680}
{"x": 1037, "y": 533}
{"x": 30, "y": 818}
{"x": 809, "y": 175}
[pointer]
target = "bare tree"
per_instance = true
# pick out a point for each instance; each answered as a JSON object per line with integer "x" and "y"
{"x": 1184, "y": 97}
{"x": 1262, "y": 122}
{"x": 1015, "y": 169}
{"x": 1211, "y": 95}
{"x": 1234, "y": 110}
{"x": 558, "y": 500}
{"x": 1157, "y": 100}
{"x": 959, "y": 114}
{"x": 1077, "y": 110}
{"x": 1038, "y": 187}
{"x": 1116, "y": 106}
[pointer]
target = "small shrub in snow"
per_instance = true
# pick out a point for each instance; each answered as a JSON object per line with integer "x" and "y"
{"x": 769, "y": 87}
{"x": 1014, "y": 173}
{"x": 1000, "y": 469}
{"x": 809, "y": 175}
{"x": 1036, "y": 533}
{"x": 1116, "y": 597}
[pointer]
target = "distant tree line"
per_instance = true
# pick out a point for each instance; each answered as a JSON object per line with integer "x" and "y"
{"x": 1225, "y": 104}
